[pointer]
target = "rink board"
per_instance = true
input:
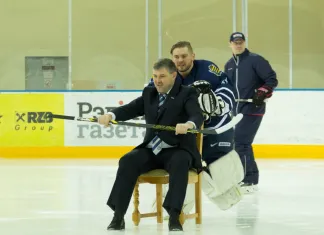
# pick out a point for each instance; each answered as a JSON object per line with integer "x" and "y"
{"x": 261, "y": 151}
{"x": 292, "y": 127}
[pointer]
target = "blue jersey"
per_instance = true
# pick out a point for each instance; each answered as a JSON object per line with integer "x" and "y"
{"x": 221, "y": 85}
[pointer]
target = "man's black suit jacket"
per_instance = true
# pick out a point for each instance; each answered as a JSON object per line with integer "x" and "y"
{"x": 180, "y": 106}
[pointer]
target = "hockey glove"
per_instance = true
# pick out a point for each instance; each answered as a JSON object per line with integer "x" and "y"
{"x": 261, "y": 94}
{"x": 202, "y": 87}
{"x": 209, "y": 103}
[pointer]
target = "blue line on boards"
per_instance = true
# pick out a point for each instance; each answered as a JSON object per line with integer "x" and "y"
{"x": 68, "y": 91}
{"x": 300, "y": 89}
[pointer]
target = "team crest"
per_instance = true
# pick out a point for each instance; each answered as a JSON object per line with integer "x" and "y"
{"x": 215, "y": 70}
{"x": 224, "y": 81}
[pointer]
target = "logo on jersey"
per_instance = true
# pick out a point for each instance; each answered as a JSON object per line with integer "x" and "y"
{"x": 224, "y": 81}
{"x": 215, "y": 70}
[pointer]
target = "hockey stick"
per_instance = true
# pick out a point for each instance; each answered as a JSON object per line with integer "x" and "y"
{"x": 236, "y": 119}
{"x": 248, "y": 100}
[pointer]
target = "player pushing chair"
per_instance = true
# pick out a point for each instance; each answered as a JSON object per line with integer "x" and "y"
{"x": 224, "y": 169}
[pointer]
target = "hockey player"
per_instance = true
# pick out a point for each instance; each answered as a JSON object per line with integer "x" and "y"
{"x": 253, "y": 78}
{"x": 224, "y": 169}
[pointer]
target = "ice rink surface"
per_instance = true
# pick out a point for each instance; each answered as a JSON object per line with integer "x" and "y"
{"x": 68, "y": 197}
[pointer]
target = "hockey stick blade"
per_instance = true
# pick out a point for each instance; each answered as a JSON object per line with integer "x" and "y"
{"x": 220, "y": 130}
{"x": 236, "y": 119}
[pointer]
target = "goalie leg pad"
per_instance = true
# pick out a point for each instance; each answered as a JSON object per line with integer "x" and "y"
{"x": 222, "y": 178}
{"x": 228, "y": 199}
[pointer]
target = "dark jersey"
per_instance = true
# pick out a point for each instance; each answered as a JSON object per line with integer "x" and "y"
{"x": 221, "y": 85}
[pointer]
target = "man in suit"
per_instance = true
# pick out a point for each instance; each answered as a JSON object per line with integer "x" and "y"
{"x": 167, "y": 103}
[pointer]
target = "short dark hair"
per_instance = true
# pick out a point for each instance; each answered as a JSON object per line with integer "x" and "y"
{"x": 181, "y": 44}
{"x": 165, "y": 63}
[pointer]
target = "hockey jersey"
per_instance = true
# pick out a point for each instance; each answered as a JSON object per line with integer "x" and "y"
{"x": 221, "y": 85}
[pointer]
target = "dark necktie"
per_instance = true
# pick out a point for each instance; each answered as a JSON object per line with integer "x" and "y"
{"x": 157, "y": 142}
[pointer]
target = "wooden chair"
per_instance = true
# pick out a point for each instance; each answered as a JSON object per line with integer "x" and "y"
{"x": 159, "y": 177}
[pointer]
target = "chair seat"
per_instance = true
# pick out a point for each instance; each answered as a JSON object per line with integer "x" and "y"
{"x": 160, "y": 176}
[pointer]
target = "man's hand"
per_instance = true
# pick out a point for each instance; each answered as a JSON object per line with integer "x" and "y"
{"x": 261, "y": 94}
{"x": 182, "y": 128}
{"x": 105, "y": 120}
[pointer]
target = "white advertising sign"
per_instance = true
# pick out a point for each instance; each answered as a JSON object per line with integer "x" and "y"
{"x": 85, "y": 104}
{"x": 293, "y": 117}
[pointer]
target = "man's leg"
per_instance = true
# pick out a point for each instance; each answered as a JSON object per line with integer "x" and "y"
{"x": 177, "y": 162}
{"x": 131, "y": 166}
{"x": 214, "y": 147}
{"x": 245, "y": 132}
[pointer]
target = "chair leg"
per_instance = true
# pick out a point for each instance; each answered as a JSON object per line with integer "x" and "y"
{"x": 182, "y": 218}
{"x": 136, "y": 214}
{"x": 159, "y": 208}
{"x": 198, "y": 200}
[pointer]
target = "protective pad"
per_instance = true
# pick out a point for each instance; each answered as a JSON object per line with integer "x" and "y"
{"x": 208, "y": 103}
{"x": 228, "y": 199}
{"x": 220, "y": 180}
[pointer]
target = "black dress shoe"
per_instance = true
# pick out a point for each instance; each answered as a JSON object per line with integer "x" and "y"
{"x": 174, "y": 224}
{"x": 117, "y": 223}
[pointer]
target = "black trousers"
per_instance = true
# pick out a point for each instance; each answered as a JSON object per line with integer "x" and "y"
{"x": 175, "y": 161}
{"x": 245, "y": 132}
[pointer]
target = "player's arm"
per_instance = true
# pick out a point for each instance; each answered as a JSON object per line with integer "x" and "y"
{"x": 269, "y": 76}
{"x": 216, "y": 92}
{"x": 129, "y": 111}
{"x": 123, "y": 113}
{"x": 266, "y": 73}
{"x": 224, "y": 90}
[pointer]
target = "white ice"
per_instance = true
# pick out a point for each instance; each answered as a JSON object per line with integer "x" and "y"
{"x": 68, "y": 197}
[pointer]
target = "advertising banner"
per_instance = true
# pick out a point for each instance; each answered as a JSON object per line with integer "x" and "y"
{"x": 91, "y": 134}
{"x": 25, "y": 120}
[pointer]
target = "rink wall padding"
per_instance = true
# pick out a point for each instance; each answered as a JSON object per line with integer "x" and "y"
{"x": 291, "y": 128}
{"x": 261, "y": 151}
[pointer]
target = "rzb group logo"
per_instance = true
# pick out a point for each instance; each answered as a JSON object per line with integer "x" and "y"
{"x": 35, "y": 121}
